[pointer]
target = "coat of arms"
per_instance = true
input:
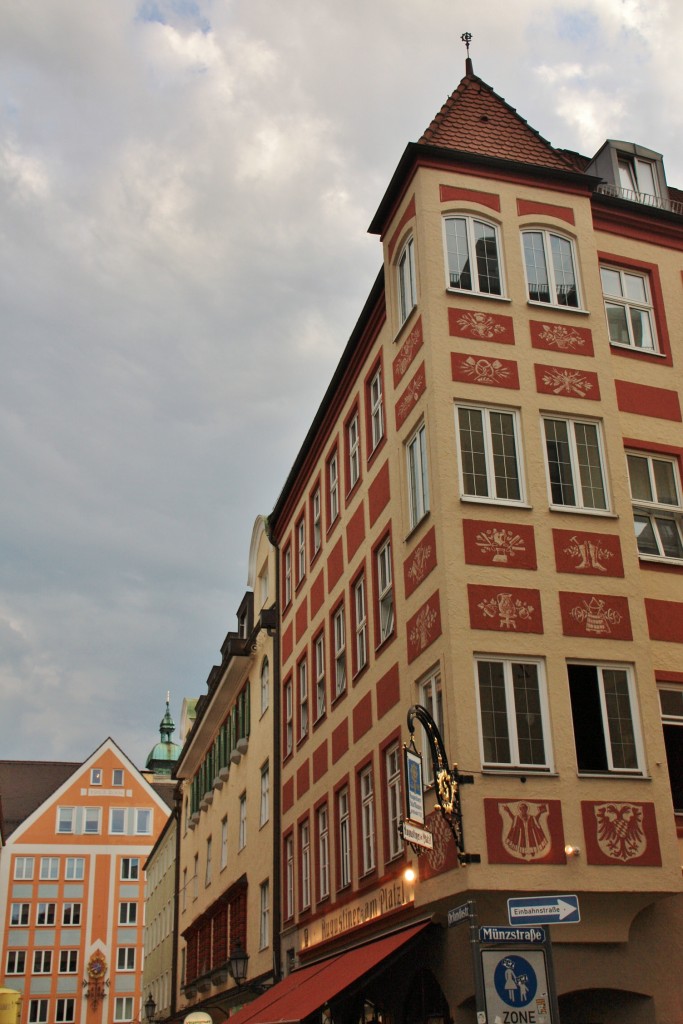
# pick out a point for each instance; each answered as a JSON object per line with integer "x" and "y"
{"x": 620, "y": 831}
{"x": 525, "y": 834}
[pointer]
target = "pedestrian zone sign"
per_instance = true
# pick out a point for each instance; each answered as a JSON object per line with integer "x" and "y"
{"x": 516, "y": 986}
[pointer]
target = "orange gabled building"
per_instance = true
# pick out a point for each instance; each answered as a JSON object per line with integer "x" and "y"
{"x": 71, "y": 885}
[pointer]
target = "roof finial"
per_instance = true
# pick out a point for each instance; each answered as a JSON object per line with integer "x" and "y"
{"x": 467, "y": 39}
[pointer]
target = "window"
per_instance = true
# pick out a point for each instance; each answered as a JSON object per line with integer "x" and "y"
{"x": 333, "y": 487}
{"x": 37, "y": 1011}
{"x": 49, "y": 868}
{"x": 305, "y": 853}
{"x": 472, "y": 252}
{"x": 242, "y": 841}
{"x": 550, "y": 274}
{"x": 637, "y": 176}
{"x": 301, "y": 550}
{"x": 431, "y": 698}
{"x": 376, "y": 408}
{"x": 630, "y": 318}
{"x": 95, "y": 776}
{"x": 671, "y": 704}
{"x": 302, "y": 672}
{"x": 128, "y": 913}
{"x": 418, "y": 485}
{"x": 339, "y": 629}
{"x": 23, "y": 868}
{"x": 45, "y": 915}
{"x": 91, "y": 824}
{"x": 184, "y": 889}
{"x": 264, "y": 916}
{"x": 323, "y": 853}
{"x": 265, "y": 685}
{"x": 289, "y": 718}
{"x": 123, "y": 1008}
{"x": 367, "y": 812}
{"x": 289, "y": 877}
{"x": 125, "y": 958}
{"x": 65, "y": 819}
{"x": 16, "y": 961}
{"x": 316, "y": 521}
{"x": 512, "y": 713}
{"x": 393, "y": 803}
{"x": 353, "y": 447}
{"x": 360, "y": 623}
{"x": 406, "y": 281}
{"x": 75, "y": 869}
{"x": 264, "y": 814}
{"x": 130, "y": 868}
{"x": 575, "y": 464}
{"x": 71, "y": 914}
{"x": 488, "y": 444}
{"x": 656, "y": 496}
{"x": 66, "y": 1009}
{"x": 319, "y": 656}
{"x": 207, "y": 872}
{"x": 195, "y": 878}
{"x": 143, "y": 821}
{"x": 224, "y": 842}
{"x": 42, "y": 961}
{"x": 117, "y": 777}
{"x": 287, "y": 574}
{"x": 344, "y": 819}
{"x": 385, "y": 592}
{"x": 606, "y": 732}
{"x": 117, "y": 821}
{"x": 19, "y": 914}
{"x": 68, "y": 961}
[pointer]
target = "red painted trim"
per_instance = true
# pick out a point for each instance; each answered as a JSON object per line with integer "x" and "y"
{"x": 662, "y": 676}
{"x": 653, "y": 446}
{"x": 644, "y": 400}
{"x": 634, "y": 224}
{"x": 525, "y": 206}
{"x": 408, "y": 215}
{"x": 651, "y": 270}
{"x": 449, "y": 193}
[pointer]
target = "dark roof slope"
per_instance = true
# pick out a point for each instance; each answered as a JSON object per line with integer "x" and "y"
{"x": 25, "y": 785}
{"x": 475, "y": 119}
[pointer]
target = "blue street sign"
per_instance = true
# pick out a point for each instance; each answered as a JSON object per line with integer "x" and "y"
{"x": 544, "y": 910}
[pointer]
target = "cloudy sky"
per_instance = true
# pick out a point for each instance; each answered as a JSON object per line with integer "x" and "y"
{"x": 185, "y": 189}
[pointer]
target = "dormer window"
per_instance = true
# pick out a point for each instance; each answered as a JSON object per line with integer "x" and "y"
{"x": 631, "y": 172}
{"x": 638, "y": 176}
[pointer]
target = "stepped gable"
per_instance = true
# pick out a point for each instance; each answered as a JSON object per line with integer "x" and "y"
{"x": 475, "y": 119}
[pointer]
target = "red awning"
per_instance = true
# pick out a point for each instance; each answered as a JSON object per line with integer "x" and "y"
{"x": 304, "y": 991}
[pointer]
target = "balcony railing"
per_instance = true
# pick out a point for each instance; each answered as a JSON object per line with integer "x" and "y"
{"x": 640, "y": 197}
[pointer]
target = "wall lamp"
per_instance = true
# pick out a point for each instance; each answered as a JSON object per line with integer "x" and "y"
{"x": 572, "y": 851}
{"x": 239, "y": 961}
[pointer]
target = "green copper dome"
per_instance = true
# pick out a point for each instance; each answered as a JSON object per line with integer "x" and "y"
{"x": 164, "y": 754}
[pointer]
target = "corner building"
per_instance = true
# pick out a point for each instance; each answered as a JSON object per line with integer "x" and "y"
{"x": 485, "y": 519}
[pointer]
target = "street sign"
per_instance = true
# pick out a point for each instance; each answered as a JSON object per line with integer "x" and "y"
{"x": 544, "y": 910}
{"x": 516, "y": 986}
{"x": 501, "y": 933}
{"x": 418, "y": 836}
{"x": 458, "y": 914}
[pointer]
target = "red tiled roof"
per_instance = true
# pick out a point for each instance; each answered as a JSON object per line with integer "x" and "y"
{"x": 475, "y": 119}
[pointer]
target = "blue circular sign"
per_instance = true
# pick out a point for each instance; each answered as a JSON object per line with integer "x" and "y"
{"x": 515, "y": 980}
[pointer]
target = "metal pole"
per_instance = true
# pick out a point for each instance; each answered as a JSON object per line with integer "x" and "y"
{"x": 552, "y": 987}
{"x": 476, "y": 964}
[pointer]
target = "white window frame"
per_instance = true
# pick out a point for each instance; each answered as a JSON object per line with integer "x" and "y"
{"x": 71, "y": 914}
{"x": 478, "y": 278}
{"x": 632, "y": 309}
{"x": 288, "y": 574}
{"x": 224, "y": 842}
{"x": 265, "y": 685}
{"x": 333, "y": 485}
{"x": 339, "y": 630}
{"x": 49, "y": 869}
{"x": 516, "y": 717}
{"x": 611, "y": 767}
{"x": 650, "y": 512}
{"x": 579, "y": 483}
{"x": 130, "y": 869}
{"x": 385, "y": 591}
{"x": 405, "y": 277}
{"x": 42, "y": 961}
{"x": 117, "y": 777}
{"x": 242, "y": 835}
{"x": 123, "y": 1009}
{"x": 553, "y": 269}
{"x": 117, "y": 814}
{"x": 353, "y": 439}
{"x": 289, "y": 877}
{"x": 323, "y": 825}
{"x": 499, "y": 488}
{"x": 209, "y": 861}
{"x": 316, "y": 506}
{"x": 92, "y": 821}
{"x": 289, "y": 718}
{"x": 125, "y": 958}
{"x": 630, "y": 169}
{"x": 24, "y": 868}
{"x": 305, "y": 852}
{"x": 65, "y": 1010}
{"x": 301, "y": 549}
{"x": 264, "y": 814}
{"x": 95, "y": 776}
{"x": 361, "y": 622}
{"x": 367, "y": 816}
{"x": 15, "y": 962}
{"x": 68, "y": 961}
{"x": 671, "y": 709}
{"x": 430, "y": 695}
{"x": 319, "y": 659}
{"x": 264, "y": 915}
{"x": 65, "y": 820}
{"x": 376, "y": 408}
{"x": 418, "y": 478}
{"x": 128, "y": 912}
{"x": 302, "y": 688}
{"x": 142, "y": 829}
{"x": 392, "y": 760}
{"x": 344, "y": 818}
{"x": 38, "y": 1011}
{"x": 20, "y": 915}
{"x": 46, "y": 914}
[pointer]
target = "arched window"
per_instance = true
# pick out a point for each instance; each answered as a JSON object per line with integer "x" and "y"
{"x": 472, "y": 252}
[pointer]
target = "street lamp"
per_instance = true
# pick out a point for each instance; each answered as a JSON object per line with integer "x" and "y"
{"x": 150, "y": 1007}
{"x": 239, "y": 960}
